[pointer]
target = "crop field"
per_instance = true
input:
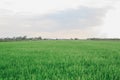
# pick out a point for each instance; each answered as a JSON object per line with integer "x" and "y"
{"x": 60, "y": 60}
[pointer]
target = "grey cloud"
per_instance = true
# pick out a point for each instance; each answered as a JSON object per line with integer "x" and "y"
{"x": 4, "y": 12}
{"x": 82, "y": 18}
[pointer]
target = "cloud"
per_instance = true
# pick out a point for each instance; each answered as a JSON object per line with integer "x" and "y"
{"x": 78, "y": 18}
{"x": 50, "y": 6}
{"x": 82, "y": 19}
{"x": 70, "y": 19}
{"x": 53, "y": 17}
{"x": 111, "y": 26}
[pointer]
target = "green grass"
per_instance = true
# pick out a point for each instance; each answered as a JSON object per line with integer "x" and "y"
{"x": 60, "y": 60}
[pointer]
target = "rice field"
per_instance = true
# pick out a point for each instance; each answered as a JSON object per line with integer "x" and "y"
{"x": 60, "y": 60}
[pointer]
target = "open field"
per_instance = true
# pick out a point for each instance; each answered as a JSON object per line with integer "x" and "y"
{"x": 60, "y": 60}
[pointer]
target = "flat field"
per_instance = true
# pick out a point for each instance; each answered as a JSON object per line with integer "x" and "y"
{"x": 60, "y": 60}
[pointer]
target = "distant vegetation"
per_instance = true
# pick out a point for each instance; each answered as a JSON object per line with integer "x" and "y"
{"x": 20, "y": 38}
{"x": 103, "y": 38}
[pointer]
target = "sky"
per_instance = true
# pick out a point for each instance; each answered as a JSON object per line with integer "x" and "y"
{"x": 60, "y": 18}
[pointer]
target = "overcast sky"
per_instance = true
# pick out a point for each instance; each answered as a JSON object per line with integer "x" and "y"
{"x": 60, "y": 18}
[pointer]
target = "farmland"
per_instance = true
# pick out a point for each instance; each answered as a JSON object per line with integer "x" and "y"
{"x": 60, "y": 60}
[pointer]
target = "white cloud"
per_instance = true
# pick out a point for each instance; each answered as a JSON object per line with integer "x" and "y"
{"x": 38, "y": 6}
{"x": 111, "y": 27}
{"x": 98, "y": 3}
{"x": 49, "y": 6}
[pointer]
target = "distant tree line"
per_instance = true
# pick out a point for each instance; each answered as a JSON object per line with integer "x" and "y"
{"x": 103, "y": 39}
{"x": 19, "y": 38}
